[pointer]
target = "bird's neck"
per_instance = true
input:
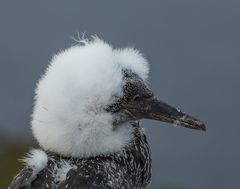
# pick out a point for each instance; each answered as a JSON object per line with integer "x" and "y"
{"x": 89, "y": 141}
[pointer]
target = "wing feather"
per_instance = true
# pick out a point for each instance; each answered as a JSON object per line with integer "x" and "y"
{"x": 23, "y": 179}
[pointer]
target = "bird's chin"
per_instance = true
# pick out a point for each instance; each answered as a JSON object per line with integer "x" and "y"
{"x": 130, "y": 114}
{"x": 123, "y": 117}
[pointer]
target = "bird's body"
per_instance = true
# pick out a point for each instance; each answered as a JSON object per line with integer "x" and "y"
{"x": 85, "y": 118}
{"x": 130, "y": 168}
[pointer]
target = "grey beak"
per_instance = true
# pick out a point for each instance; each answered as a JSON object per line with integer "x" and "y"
{"x": 158, "y": 110}
{"x": 152, "y": 108}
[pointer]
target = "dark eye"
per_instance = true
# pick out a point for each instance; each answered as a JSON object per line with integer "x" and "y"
{"x": 136, "y": 98}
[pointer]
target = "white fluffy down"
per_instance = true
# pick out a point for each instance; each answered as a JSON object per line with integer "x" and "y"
{"x": 60, "y": 171}
{"x": 69, "y": 116}
{"x": 36, "y": 159}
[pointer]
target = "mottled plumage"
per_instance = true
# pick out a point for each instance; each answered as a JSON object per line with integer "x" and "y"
{"x": 130, "y": 168}
{"x": 86, "y": 120}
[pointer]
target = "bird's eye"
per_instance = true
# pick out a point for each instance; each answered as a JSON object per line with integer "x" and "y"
{"x": 136, "y": 98}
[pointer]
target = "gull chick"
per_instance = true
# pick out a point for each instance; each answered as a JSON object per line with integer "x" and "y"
{"x": 88, "y": 104}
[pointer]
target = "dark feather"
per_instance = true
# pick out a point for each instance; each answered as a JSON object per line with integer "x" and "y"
{"x": 130, "y": 168}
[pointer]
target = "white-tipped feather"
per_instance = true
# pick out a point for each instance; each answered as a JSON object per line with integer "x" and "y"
{"x": 61, "y": 171}
{"x": 37, "y": 160}
{"x": 69, "y": 116}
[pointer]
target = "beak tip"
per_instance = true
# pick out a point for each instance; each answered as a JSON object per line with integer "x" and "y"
{"x": 203, "y": 127}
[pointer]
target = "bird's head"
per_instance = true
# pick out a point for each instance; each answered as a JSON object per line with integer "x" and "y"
{"x": 89, "y": 94}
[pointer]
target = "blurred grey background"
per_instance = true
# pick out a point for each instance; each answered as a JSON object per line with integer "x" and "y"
{"x": 194, "y": 51}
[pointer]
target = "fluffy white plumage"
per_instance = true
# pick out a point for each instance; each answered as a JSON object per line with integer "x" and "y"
{"x": 69, "y": 116}
{"x": 37, "y": 160}
{"x": 61, "y": 170}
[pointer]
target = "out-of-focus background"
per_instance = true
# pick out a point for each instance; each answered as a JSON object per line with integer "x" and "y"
{"x": 194, "y": 51}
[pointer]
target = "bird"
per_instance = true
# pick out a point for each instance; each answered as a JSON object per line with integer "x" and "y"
{"x": 86, "y": 117}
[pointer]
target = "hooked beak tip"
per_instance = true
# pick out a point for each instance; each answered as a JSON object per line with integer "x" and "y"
{"x": 193, "y": 123}
{"x": 161, "y": 111}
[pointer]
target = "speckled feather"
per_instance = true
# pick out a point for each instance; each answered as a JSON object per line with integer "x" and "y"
{"x": 130, "y": 168}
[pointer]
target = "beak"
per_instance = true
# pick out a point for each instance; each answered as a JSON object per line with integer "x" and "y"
{"x": 155, "y": 109}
